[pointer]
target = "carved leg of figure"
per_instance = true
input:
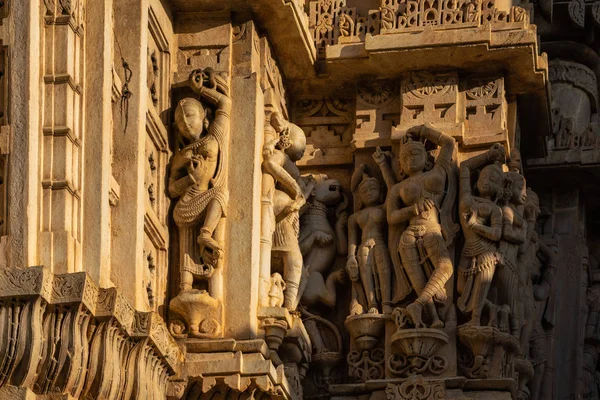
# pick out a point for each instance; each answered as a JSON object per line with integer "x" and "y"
{"x": 365, "y": 267}
{"x": 481, "y": 287}
{"x": 292, "y": 273}
{"x": 438, "y": 254}
{"x": 315, "y": 335}
{"x": 186, "y": 249}
{"x": 528, "y": 320}
{"x": 205, "y": 239}
{"x": 384, "y": 271}
{"x": 538, "y": 356}
{"x": 416, "y": 275}
{"x": 356, "y": 307}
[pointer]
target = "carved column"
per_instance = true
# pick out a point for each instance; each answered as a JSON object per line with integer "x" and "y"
{"x": 25, "y": 97}
{"x": 64, "y": 72}
{"x": 97, "y": 136}
{"x": 129, "y": 161}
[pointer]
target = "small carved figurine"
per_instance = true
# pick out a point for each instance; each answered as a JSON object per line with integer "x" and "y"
{"x": 276, "y": 290}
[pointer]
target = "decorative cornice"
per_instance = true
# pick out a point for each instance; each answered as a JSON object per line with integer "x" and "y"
{"x": 78, "y": 314}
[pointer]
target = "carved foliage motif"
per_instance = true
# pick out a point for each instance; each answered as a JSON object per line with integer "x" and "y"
{"x": 424, "y": 84}
{"x": 577, "y": 12}
{"x": 377, "y": 93}
{"x": 366, "y": 365}
{"x": 416, "y": 388}
{"x": 404, "y": 366}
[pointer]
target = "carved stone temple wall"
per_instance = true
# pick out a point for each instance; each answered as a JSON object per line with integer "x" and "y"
{"x": 300, "y": 199}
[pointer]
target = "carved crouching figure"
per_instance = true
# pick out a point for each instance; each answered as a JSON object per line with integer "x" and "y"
{"x": 368, "y": 257}
{"x": 481, "y": 220}
{"x": 289, "y": 194}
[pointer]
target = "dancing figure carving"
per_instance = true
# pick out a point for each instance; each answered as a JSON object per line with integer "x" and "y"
{"x": 423, "y": 200}
{"x": 198, "y": 178}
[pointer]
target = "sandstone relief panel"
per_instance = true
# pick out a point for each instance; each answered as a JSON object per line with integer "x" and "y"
{"x": 198, "y": 181}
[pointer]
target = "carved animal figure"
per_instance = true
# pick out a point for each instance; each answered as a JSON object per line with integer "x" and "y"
{"x": 320, "y": 242}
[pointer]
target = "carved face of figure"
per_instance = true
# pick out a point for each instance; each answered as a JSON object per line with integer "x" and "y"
{"x": 328, "y": 191}
{"x": 489, "y": 181}
{"x": 413, "y": 157}
{"x": 278, "y": 122}
{"x": 519, "y": 188}
{"x": 296, "y": 151}
{"x": 369, "y": 191}
{"x": 514, "y": 164}
{"x": 189, "y": 118}
{"x": 532, "y": 205}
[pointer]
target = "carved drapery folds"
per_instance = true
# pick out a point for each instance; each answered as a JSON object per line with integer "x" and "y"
{"x": 64, "y": 335}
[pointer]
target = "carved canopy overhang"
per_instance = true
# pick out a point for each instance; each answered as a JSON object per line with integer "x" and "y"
{"x": 284, "y": 21}
{"x": 471, "y": 37}
{"x": 230, "y": 369}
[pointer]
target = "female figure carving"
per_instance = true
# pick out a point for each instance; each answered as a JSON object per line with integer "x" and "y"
{"x": 514, "y": 229}
{"x": 418, "y": 200}
{"x": 198, "y": 176}
{"x": 481, "y": 220}
{"x": 368, "y": 258}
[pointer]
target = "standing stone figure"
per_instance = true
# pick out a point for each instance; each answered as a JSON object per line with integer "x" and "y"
{"x": 481, "y": 221}
{"x": 418, "y": 201}
{"x": 514, "y": 229}
{"x": 537, "y": 269}
{"x": 289, "y": 194}
{"x": 198, "y": 178}
{"x": 368, "y": 256}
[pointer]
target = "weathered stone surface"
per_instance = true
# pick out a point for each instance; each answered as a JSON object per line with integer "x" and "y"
{"x": 286, "y": 199}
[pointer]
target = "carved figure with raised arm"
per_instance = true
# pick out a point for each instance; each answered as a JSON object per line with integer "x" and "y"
{"x": 368, "y": 256}
{"x": 481, "y": 221}
{"x": 289, "y": 195}
{"x": 197, "y": 178}
{"x": 421, "y": 200}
